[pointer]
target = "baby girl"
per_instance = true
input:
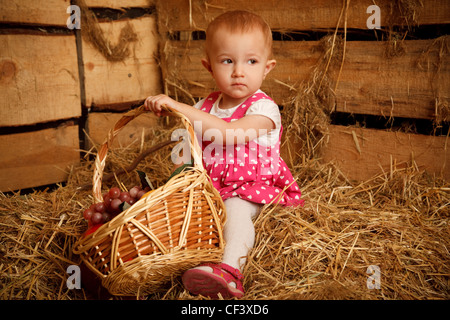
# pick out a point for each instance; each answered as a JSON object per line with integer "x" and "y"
{"x": 245, "y": 167}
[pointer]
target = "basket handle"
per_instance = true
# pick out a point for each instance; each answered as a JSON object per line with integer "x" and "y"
{"x": 100, "y": 160}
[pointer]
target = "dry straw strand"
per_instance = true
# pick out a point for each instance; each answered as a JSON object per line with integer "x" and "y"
{"x": 96, "y": 37}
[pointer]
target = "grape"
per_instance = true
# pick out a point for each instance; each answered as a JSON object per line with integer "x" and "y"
{"x": 87, "y": 214}
{"x": 102, "y": 212}
{"x": 125, "y": 196}
{"x": 115, "y": 204}
{"x": 107, "y": 201}
{"x": 140, "y": 194}
{"x": 97, "y": 218}
{"x": 114, "y": 192}
{"x": 106, "y": 216}
{"x": 134, "y": 191}
{"x": 100, "y": 207}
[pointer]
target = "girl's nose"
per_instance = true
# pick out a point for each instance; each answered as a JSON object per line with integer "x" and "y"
{"x": 238, "y": 71}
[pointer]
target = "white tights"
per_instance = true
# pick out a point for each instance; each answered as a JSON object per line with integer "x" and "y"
{"x": 239, "y": 231}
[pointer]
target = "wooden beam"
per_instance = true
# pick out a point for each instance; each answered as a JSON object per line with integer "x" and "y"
{"x": 406, "y": 85}
{"x": 44, "y": 13}
{"x": 39, "y": 79}
{"x": 37, "y": 158}
{"x": 285, "y": 15}
{"x": 117, "y": 4}
{"x": 363, "y": 153}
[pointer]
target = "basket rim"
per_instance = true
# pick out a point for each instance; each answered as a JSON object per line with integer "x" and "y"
{"x": 100, "y": 160}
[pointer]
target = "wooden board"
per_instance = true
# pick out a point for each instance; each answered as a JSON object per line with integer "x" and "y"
{"x": 368, "y": 84}
{"x": 100, "y": 123}
{"x": 175, "y": 15}
{"x": 133, "y": 79}
{"x": 117, "y": 4}
{"x": 399, "y": 86}
{"x": 383, "y": 151}
{"x": 49, "y": 12}
{"x": 37, "y": 158}
{"x": 39, "y": 79}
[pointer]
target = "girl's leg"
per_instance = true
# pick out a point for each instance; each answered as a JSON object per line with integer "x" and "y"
{"x": 239, "y": 236}
{"x": 239, "y": 231}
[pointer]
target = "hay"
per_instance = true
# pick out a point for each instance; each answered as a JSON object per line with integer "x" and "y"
{"x": 39, "y": 229}
{"x": 307, "y": 117}
{"x": 93, "y": 34}
{"x": 405, "y": 12}
{"x": 431, "y": 60}
{"x": 397, "y": 221}
{"x": 322, "y": 251}
{"x": 403, "y": 17}
{"x": 37, "y": 232}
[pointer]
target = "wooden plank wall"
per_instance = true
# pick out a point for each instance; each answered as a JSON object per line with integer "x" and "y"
{"x": 39, "y": 157}
{"x": 55, "y": 85}
{"x": 39, "y": 94}
{"x": 40, "y": 80}
{"x": 407, "y": 84}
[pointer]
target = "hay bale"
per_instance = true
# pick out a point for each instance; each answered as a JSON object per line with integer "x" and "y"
{"x": 322, "y": 251}
{"x": 398, "y": 222}
{"x": 37, "y": 231}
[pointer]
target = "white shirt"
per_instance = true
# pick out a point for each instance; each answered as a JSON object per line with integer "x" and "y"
{"x": 264, "y": 107}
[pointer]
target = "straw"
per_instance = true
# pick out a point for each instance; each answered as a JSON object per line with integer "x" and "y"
{"x": 397, "y": 221}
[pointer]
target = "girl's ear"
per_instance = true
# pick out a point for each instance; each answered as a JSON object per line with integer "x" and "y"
{"x": 207, "y": 65}
{"x": 269, "y": 67}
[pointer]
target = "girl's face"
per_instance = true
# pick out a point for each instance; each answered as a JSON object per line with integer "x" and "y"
{"x": 238, "y": 63}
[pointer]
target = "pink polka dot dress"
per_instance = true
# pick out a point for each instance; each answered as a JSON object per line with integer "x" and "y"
{"x": 250, "y": 171}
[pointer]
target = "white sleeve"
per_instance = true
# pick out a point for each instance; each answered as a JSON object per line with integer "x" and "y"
{"x": 266, "y": 108}
{"x": 269, "y": 109}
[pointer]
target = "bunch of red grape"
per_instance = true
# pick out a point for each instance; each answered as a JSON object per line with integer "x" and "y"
{"x": 112, "y": 204}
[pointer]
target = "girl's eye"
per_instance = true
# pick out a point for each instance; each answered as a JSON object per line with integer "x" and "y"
{"x": 227, "y": 61}
{"x": 252, "y": 61}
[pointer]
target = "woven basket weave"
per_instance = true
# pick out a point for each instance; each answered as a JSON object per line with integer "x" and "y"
{"x": 169, "y": 230}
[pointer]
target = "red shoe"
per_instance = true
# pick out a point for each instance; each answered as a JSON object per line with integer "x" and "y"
{"x": 210, "y": 284}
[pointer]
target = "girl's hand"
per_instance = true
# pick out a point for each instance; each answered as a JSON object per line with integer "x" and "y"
{"x": 155, "y": 103}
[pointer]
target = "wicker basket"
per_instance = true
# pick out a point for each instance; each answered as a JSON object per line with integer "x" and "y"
{"x": 169, "y": 230}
